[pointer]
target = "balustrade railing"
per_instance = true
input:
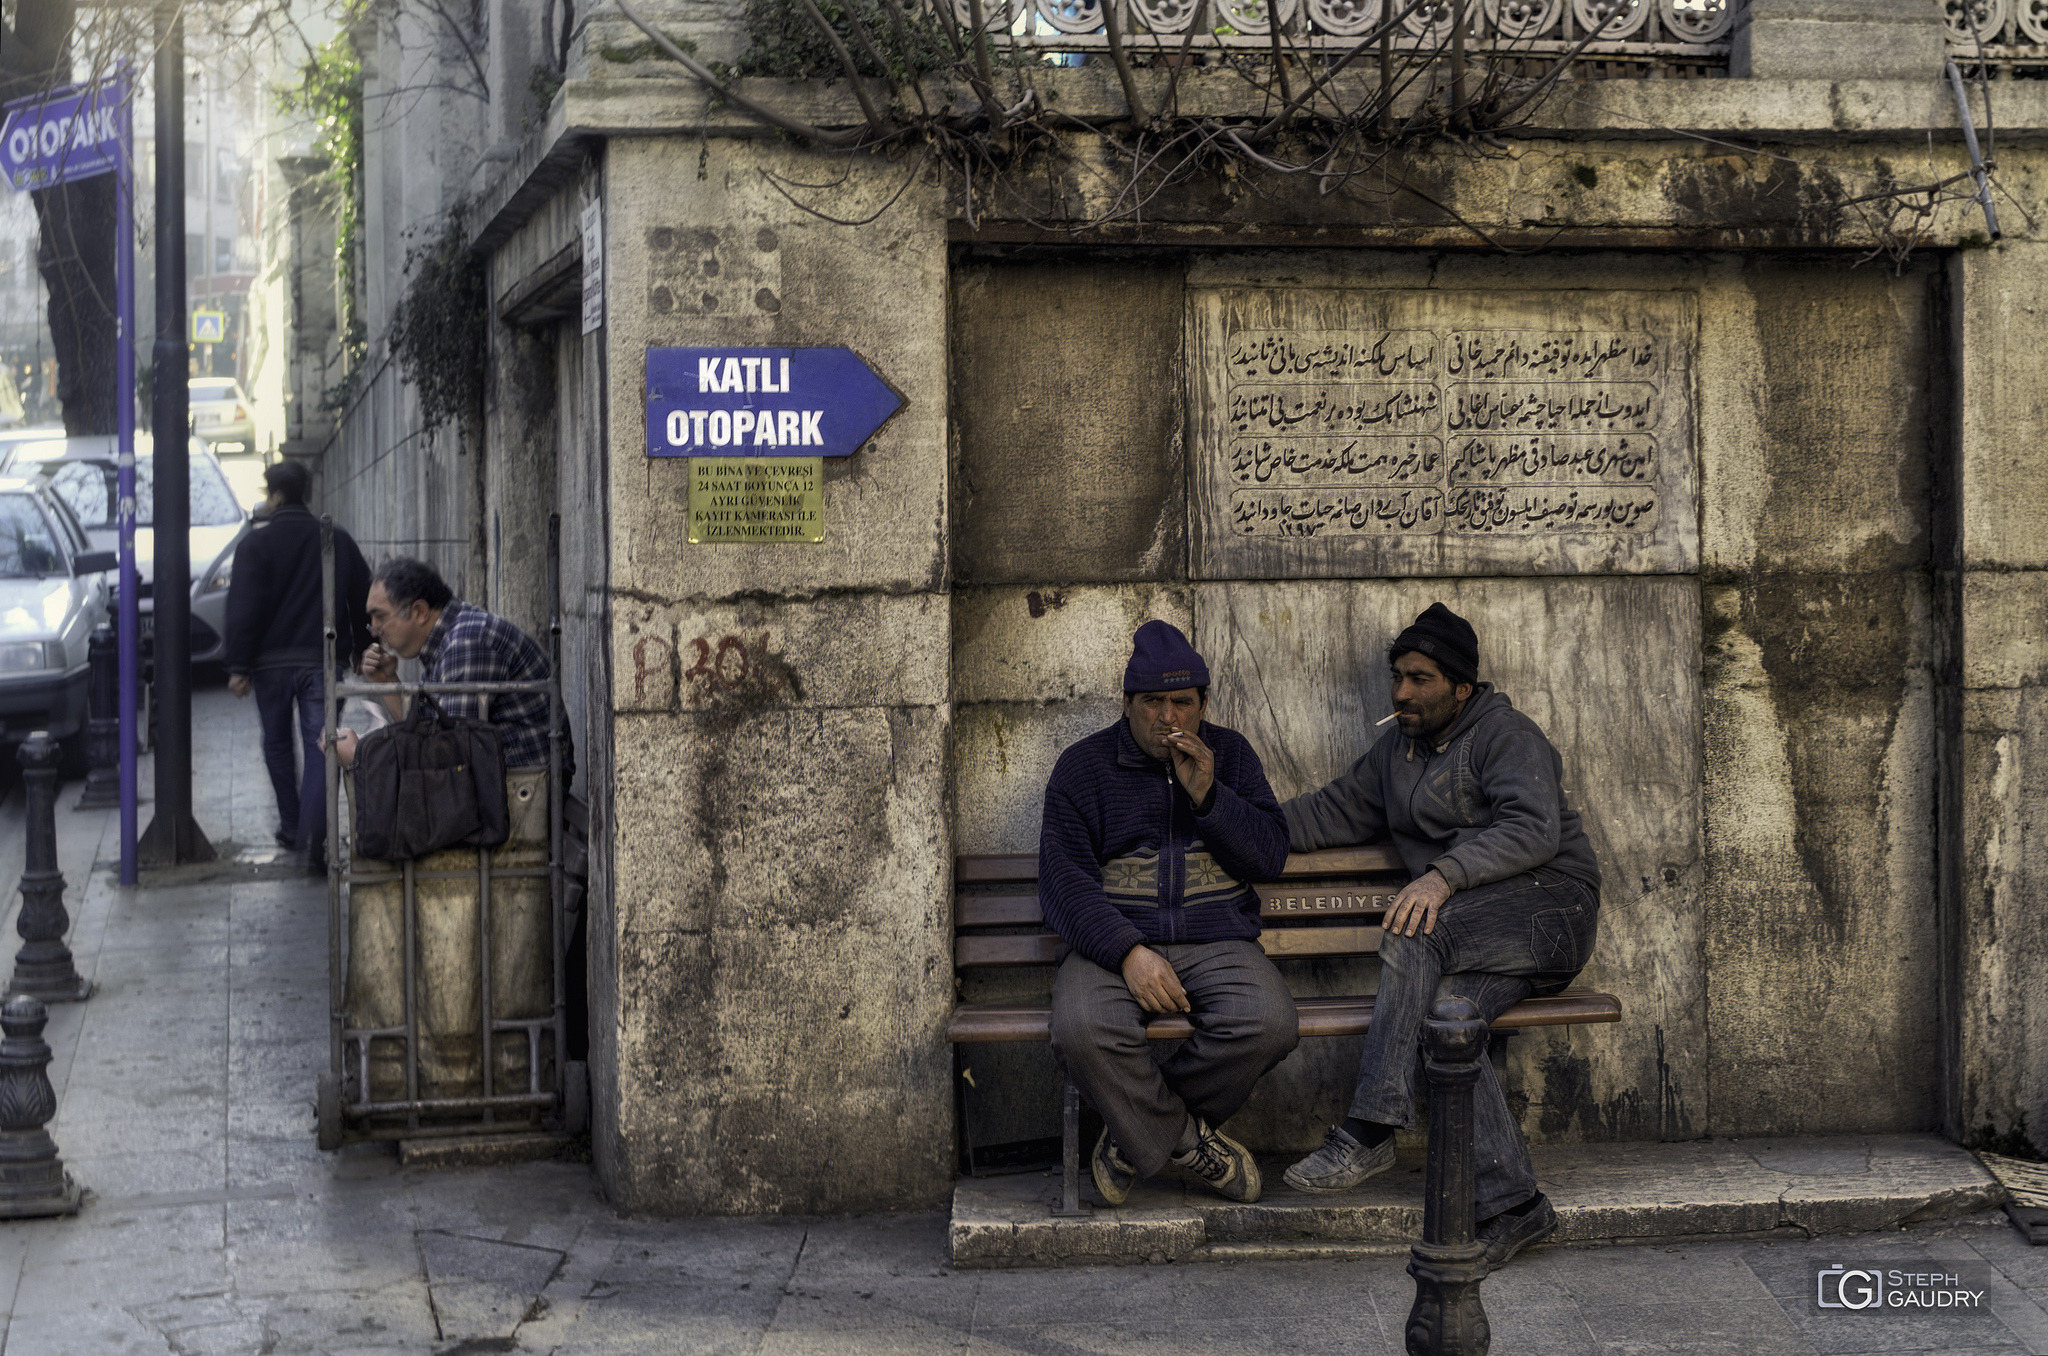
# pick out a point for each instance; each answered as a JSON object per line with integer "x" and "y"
{"x": 1635, "y": 37}
{"x": 2007, "y": 38}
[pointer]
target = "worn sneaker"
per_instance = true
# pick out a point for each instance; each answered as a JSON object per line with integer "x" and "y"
{"x": 1341, "y": 1164}
{"x": 1113, "y": 1172}
{"x": 1505, "y": 1235}
{"x": 1223, "y": 1163}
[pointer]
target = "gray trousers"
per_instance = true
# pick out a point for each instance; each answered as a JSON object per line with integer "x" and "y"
{"x": 1244, "y": 1022}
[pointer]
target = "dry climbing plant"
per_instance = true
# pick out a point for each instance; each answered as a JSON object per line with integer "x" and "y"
{"x": 1346, "y": 119}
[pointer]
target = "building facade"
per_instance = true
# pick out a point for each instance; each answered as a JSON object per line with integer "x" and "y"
{"x": 1728, "y": 449}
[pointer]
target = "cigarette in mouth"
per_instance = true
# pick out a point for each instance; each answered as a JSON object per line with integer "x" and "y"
{"x": 1376, "y": 724}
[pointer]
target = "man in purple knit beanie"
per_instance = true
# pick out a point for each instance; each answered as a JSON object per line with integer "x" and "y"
{"x": 1152, "y": 829}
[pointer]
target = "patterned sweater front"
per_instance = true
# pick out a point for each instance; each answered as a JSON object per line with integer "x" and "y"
{"x": 1125, "y": 858}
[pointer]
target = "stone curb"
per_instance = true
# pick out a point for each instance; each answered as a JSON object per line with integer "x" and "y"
{"x": 1608, "y": 1193}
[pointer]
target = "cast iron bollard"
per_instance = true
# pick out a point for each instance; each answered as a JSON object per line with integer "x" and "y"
{"x": 33, "y": 1182}
{"x": 42, "y": 968}
{"x": 103, "y": 729}
{"x": 1448, "y": 1319}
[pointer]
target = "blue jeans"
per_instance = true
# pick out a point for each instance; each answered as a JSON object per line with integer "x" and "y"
{"x": 285, "y": 697}
{"x": 1495, "y": 945}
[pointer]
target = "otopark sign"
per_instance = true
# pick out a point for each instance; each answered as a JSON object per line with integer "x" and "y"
{"x": 68, "y": 134}
{"x": 763, "y": 402}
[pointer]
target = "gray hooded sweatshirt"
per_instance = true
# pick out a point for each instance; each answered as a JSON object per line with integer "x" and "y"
{"x": 1481, "y": 802}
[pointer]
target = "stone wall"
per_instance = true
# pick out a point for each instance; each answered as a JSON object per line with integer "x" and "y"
{"x": 1997, "y": 592}
{"x": 780, "y": 906}
{"x": 1743, "y": 695}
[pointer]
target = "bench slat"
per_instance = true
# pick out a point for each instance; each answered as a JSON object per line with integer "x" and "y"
{"x": 1040, "y": 948}
{"x": 1031, "y": 948}
{"x": 1292, "y": 943}
{"x": 1290, "y": 903}
{"x": 1277, "y": 904}
{"x": 995, "y": 911}
{"x": 996, "y": 870}
{"x": 1019, "y": 868}
{"x": 988, "y": 1023}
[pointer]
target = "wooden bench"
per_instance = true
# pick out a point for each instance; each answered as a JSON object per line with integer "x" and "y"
{"x": 1325, "y": 904}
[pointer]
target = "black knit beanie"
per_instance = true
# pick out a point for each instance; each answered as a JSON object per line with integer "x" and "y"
{"x": 1447, "y": 638}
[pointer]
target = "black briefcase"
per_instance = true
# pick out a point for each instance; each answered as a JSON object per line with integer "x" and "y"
{"x": 429, "y": 782}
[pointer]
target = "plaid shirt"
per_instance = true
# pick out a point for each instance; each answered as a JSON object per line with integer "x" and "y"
{"x": 470, "y": 645}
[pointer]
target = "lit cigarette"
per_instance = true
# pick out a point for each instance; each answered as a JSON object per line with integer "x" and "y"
{"x": 1382, "y": 721}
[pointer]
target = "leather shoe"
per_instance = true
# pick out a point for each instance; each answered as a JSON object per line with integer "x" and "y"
{"x": 1507, "y": 1234}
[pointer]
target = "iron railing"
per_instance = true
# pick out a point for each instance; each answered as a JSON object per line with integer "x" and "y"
{"x": 2007, "y": 39}
{"x": 1636, "y": 37}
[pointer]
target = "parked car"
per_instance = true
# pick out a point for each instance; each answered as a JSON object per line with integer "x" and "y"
{"x": 220, "y": 413}
{"x": 82, "y": 473}
{"x": 53, "y": 592}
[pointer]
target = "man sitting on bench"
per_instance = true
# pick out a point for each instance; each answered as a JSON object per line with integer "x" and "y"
{"x": 1469, "y": 792}
{"x": 1151, "y": 829}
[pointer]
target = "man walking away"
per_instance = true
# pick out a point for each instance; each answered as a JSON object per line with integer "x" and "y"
{"x": 1152, "y": 828}
{"x": 1502, "y": 903}
{"x": 274, "y": 644}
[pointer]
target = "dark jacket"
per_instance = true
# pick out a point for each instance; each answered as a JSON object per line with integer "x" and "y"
{"x": 274, "y": 595}
{"x": 1124, "y": 858}
{"x": 1481, "y": 802}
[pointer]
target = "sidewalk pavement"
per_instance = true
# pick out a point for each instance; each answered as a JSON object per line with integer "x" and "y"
{"x": 216, "y": 1228}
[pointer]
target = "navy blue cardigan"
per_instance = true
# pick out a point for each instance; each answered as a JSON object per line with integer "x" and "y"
{"x": 1123, "y": 857}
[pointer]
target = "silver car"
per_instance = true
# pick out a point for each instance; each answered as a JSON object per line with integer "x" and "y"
{"x": 53, "y": 592}
{"x": 220, "y": 413}
{"x": 82, "y": 473}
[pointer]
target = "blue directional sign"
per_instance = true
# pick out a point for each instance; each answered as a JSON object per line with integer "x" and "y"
{"x": 763, "y": 402}
{"x": 67, "y": 134}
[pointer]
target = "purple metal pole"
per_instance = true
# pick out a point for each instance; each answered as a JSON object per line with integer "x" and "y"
{"x": 128, "y": 623}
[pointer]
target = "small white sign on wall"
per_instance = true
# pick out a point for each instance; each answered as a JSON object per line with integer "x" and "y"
{"x": 593, "y": 266}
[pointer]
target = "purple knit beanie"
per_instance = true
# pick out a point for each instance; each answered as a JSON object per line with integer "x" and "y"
{"x": 1163, "y": 661}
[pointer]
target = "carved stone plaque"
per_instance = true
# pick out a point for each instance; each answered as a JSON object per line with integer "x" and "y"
{"x": 1341, "y": 433}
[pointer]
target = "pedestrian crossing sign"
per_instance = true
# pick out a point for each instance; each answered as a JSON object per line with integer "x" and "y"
{"x": 209, "y": 327}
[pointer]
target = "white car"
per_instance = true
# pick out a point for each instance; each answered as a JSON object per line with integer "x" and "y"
{"x": 53, "y": 592}
{"x": 220, "y": 413}
{"x": 82, "y": 472}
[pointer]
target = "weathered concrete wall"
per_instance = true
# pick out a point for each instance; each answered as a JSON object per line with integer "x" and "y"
{"x": 1794, "y": 858}
{"x": 782, "y": 849}
{"x": 1820, "y": 719}
{"x": 2000, "y": 771}
{"x": 1070, "y": 424}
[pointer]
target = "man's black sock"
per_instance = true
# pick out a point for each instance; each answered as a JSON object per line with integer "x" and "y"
{"x": 1369, "y": 1133}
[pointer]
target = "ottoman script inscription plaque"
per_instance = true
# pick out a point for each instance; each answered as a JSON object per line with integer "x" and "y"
{"x": 1428, "y": 432}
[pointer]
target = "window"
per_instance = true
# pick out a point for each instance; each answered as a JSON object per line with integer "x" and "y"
{"x": 67, "y": 525}
{"x": 27, "y": 550}
{"x": 88, "y": 489}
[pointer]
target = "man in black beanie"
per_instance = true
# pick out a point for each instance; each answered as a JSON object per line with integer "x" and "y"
{"x": 1502, "y": 903}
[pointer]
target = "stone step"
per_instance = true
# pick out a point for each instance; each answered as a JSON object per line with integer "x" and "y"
{"x": 1604, "y": 1193}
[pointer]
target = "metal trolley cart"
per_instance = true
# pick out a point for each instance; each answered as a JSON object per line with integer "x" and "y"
{"x": 479, "y": 1045}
